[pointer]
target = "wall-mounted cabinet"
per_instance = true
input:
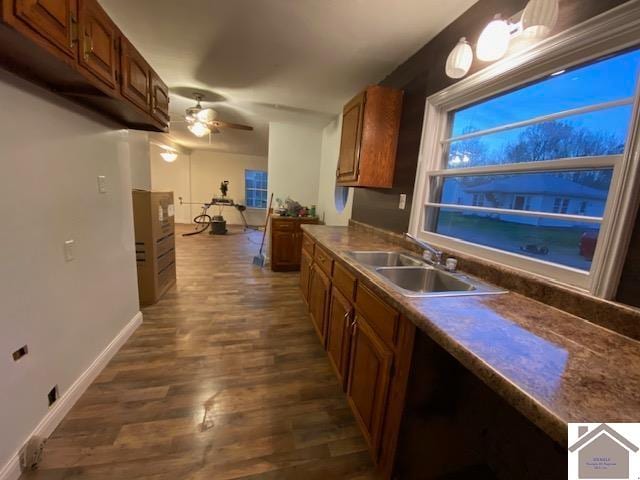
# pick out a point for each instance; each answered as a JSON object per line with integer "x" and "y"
{"x": 370, "y": 125}
{"x": 73, "y": 48}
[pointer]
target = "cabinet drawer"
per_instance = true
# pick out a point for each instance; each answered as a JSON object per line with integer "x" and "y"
{"x": 344, "y": 281}
{"x": 382, "y": 318}
{"x": 283, "y": 226}
{"x": 308, "y": 245}
{"x": 323, "y": 260}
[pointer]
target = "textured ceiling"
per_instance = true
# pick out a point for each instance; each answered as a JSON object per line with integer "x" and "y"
{"x": 275, "y": 60}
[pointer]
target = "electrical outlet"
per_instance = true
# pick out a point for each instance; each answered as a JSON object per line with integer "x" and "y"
{"x": 403, "y": 201}
{"x": 68, "y": 250}
{"x": 102, "y": 184}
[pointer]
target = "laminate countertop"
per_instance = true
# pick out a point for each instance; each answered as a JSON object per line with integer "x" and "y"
{"x": 552, "y": 366}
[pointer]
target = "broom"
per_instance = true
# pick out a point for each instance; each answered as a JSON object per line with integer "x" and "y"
{"x": 259, "y": 259}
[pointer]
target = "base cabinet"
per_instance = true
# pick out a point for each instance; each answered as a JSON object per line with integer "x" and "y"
{"x": 319, "y": 289}
{"x": 368, "y": 343}
{"x": 305, "y": 275}
{"x": 369, "y": 380}
{"x": 339, "y": 328}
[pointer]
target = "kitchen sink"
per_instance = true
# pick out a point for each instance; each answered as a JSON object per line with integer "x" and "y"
{"x": 424, "y": 279}
{"x": 385, "y": 259}
{"x": 428, "y": 281}
{"x": 413, "y": 277}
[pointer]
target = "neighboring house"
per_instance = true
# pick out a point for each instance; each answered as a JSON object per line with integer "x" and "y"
{"x": 603, "y": 453}
{"x": 536, "y": 192}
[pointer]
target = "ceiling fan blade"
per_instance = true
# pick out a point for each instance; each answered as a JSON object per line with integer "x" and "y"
{"x": 237, "y": 126}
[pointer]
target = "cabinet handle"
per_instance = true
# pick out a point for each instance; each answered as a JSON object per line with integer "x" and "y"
{"x": 74, "y": 31}
{"x": 88, "y": 48}
{"x": 347, "y": 317}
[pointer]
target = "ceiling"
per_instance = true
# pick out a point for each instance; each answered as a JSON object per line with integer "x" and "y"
{"x": 274, "y": 60}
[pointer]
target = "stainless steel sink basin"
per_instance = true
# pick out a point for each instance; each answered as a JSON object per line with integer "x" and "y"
{"x": 385, "y": 259}
{"x": 413, "y": 277}
{"x": 424, "y": 279}
{"x": 427, "y": 281}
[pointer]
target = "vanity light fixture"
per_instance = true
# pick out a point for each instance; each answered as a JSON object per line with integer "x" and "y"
{"x": 460, "y": 59}
{"x": 539, "y": 17}
{"x": 169, "y": 156}
{"x": 494, "y": 40}
{"x": 537, "y": 21}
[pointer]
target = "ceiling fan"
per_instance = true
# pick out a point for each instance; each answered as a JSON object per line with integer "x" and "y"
{"x": 204, "y": 121}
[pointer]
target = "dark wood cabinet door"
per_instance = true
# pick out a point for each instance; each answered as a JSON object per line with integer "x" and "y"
{"x": 369, "y": 381}
{"x": 319, "y": 290}
{"x": 305, "y": 273}
{"x": 159, "y": 99}
{"x": 283, "y": 255}
{"x": 99, "y": 39}
{"x": 136, "y": 77}
{"x": 339, "y": 333}
{"x": 55, "y": 20}
{"x": 352, "y": 119}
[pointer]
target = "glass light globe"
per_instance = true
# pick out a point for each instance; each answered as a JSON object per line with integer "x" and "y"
{"x": 169, "y": 156}
{"x": 494, "y": 41}
{"x": 459, "y": 60}
{"x": 539, "y": 18}
{"x": 199, "y": 129}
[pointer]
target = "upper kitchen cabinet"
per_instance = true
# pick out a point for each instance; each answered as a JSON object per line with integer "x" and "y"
{"x": 74, "y": 48}
{"x": 159, "y": 98}
{"x": 54, "y": 20}
{"x": 136, "y": 76}
{"x": 370, "y": 124}
{"x": 99, "y": 43}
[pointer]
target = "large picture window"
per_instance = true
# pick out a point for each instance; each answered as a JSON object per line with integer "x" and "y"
{"x": 526, "y": 177}
{"x": 255, "y": 185}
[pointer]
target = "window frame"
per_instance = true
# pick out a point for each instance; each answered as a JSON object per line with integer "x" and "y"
{"x": 247, "y": 189}
{"x": 611, "y": 32}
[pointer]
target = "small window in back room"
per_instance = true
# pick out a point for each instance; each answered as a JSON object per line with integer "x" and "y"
{"x": 255, "y": 186}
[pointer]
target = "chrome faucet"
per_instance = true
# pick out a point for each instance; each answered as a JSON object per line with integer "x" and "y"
{"x": 437, "y": 254}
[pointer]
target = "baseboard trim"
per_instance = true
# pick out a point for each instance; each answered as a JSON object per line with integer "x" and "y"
{"x": 11, "y": 470}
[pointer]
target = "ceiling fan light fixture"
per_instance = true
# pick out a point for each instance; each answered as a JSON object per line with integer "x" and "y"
{"x": 199, "y": 129}
{"x": 206, "y": 115}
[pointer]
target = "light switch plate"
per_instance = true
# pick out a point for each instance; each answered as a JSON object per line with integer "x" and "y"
{"x": 403, "y": 201}
{"x": 68, "y": 250}
{"x": 102, "y": 184}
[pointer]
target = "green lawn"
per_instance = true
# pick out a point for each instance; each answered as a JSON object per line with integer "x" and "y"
{"x": 563, "y": 243}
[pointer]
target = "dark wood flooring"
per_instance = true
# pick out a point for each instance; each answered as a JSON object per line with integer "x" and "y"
{"x": 225, "y": 379}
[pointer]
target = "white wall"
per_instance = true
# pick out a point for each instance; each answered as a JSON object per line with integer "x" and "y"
{"x": 209, "y": 169}
{"x": 51, "y": 152}
{"x": 172, "y": 177}
{"x": 139, "y": 155}
{"x": 294, "y": 162}
{"x": 197, "y": 177}
{"x": 328, "y": 209}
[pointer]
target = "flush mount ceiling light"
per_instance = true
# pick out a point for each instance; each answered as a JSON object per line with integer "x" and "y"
{"x": 199, "y": 129}
{"x": 169, "y": 156}
{"x": 494, "y": 40}
{"x": 460, "y": 59}
{"x": 536, "y": 22}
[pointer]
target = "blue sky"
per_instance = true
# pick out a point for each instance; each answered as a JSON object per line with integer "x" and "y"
{"x": 607, "y": 80}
